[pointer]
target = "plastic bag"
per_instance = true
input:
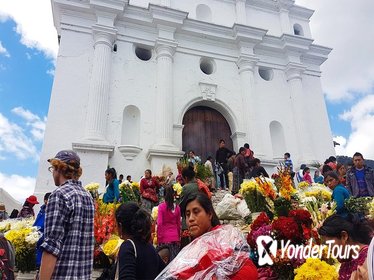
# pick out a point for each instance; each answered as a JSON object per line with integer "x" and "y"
{"x": 243, "y": 208}
{"x": 217, "y": 254}
{"x": 226, "y": 209}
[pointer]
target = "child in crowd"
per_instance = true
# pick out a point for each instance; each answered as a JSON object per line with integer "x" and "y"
{"x": 306, "y": 175}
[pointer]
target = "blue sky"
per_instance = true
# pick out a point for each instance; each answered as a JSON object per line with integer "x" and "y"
{"x": 28, "y": 47}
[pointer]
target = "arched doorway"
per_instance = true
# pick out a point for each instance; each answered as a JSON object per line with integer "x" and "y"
{"x": 203, "y": 128}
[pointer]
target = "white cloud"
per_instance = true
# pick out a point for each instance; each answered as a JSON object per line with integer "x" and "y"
{"x": 345, "y": 26}
{"x": 340, "y": 150}
{"x": 37, "y": 125}
{"x": 34, "y": 23}
{"x": 361, "y": 117}
{"x": 3, "y": 50}
{"x": 17, "y": 186}
{"x": 13, "y": 140}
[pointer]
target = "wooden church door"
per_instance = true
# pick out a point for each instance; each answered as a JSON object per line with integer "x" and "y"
{"x": 203, "y": 128}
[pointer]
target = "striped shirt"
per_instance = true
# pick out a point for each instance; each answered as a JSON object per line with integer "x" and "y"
{"x": 68, "y": 232}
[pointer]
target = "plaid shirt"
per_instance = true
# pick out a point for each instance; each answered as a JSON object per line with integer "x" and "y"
{"x": 68, "y": 232}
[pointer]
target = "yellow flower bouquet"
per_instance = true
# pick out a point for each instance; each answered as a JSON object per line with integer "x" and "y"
{"x": 93, "y": 189}
{"x": 24, "y": 241}
{"x": 315, "y": 269}
{"x": 111, "y": 246}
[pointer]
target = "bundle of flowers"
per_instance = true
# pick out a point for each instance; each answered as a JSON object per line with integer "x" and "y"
{"x": 24, "y": 241}
{"x": 201, "y": 171}
{"x": 16, "y": 224}
{"x": 303, "y": 185}
{"x": 93, "y": 189}
{"x": 358, "y": 205}
{"x": 284, "y": 184}
{"x": 129, "y": 191}
{"x": 111, "y": 246}
{"x": 154, "y": 213}
{"x": 319, "y": 211}
{"x": 259, "y": 194}
{"x": 315, "y": 269}
{"x": 104, "y": 226}
{"x": 178, "y": 189}
{"x": 371, "y": 209}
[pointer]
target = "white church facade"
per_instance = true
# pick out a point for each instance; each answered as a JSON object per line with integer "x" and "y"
{"x": 138, "y": 82}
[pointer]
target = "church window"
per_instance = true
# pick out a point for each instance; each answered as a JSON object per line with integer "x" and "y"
{"x": 266, "y": 74}
{"x": 203, "y": 13}
{"x": 207, "y": 66}
{"x": 298, "y": 30}
{"x": 278, "y": 141}
{"x": 143, "y": 54}
{"x": 131, "y": 126}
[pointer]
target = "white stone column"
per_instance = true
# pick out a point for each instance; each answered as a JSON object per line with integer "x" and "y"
{"x": 241, "y": 15}
{"x": 97, "y": 112}
{"x": 164, "y": 100}
{"x": 252, "y": 124}
{"x": 294, "y": 80}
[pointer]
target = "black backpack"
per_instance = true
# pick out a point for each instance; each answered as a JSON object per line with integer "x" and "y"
{"x": 6, "y": 259}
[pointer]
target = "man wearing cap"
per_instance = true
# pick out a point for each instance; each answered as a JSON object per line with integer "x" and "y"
{"x": 68, "y": 230}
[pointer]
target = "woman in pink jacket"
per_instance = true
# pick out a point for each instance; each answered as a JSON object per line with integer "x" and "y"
{"x": 169, "y": 224}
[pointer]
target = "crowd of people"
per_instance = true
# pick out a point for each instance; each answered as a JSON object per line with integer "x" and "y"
{"x": 65, "y": 250}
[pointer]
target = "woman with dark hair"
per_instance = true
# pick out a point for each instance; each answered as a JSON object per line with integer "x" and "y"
{"x": 326, "y": 168}
{"x": 342, "y": 172}
{"x": 190, "y": 187}
{"x": 148, "y": 191}
{"x": 137, "y": 258}
{"x": 112, "y": 188}
{"x": 339, "y": 192}
{"x": 306, "y": 175}
{"x": 216, "y": 252}
{"x": 349, "y": 231}
{"x": 169, "y": 224}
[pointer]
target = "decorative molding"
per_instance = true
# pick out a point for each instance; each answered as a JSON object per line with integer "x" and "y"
{"x": 92, "y": 146}
{"x": 247, "y": 63}
{"x": 238, "y": 134}
{"x": 208, "y": 91}
{"x": 129, "y": 152}
{"x": 294, "y": 71}
{"x": 164, "y": 153}
{"x": 104, "y": 34}
{"x": 167, "y": 16}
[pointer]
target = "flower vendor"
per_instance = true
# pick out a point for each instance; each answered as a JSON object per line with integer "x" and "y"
{"x": 137, "y": 258}
{"x": 210, "y": 254}
{"x": 112, "y": 188}
{"x": 148, "y": 186}
{"x": 352, "y": 230}
{"x": 339, "y": 194}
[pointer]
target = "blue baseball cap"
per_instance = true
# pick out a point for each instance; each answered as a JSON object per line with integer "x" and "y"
{"x": 68, "y": 156}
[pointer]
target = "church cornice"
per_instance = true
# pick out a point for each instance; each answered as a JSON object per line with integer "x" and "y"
{"x": 141, "y": 25}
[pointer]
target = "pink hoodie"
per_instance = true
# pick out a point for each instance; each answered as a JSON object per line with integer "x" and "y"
{"x": 168, "y": 224}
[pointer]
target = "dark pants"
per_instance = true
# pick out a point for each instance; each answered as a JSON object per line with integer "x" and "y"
{"x": 223, "y": 175}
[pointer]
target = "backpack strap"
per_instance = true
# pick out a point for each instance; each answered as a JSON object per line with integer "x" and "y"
{"x": 117, "y": 268}
{"x": 133, "y": 244}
